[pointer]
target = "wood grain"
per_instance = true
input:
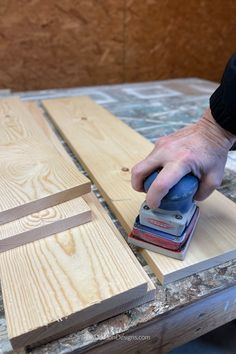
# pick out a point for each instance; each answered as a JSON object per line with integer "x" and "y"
{"x": 105, "y": 145}
{"x": 52, "y": 284}
{"x": 76, "y": 274}
{"x": 33, "y": 175}
{"x": 44, "y": 223}
{"x": 42, "y": 121}
{"x": 102, "y": 139}
{"x": 44, "y": 124}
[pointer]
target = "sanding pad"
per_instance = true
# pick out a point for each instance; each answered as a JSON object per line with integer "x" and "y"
{"x": 179, "y": 249}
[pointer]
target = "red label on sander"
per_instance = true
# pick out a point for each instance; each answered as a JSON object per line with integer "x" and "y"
{"x": 162, "y": 224}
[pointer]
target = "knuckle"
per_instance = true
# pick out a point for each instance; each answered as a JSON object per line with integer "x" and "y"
{"x": 160, "y": 186}
{"x": 186, "y": 158}
{"x": 136, "y": 171}
{"x": 214, "y": 183}
{"x": 217, "y": 184}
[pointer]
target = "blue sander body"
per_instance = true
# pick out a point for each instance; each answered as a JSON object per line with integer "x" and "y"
{"x": 169, "y": 228}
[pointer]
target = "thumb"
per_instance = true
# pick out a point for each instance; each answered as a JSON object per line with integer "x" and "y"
{"x": 166, "y": 179}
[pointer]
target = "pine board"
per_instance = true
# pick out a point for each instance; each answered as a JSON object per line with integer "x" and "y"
{"x": 104, "y": 146}
{"x": 48, "y": 131}
{"x": 44, "y": 223}
{"x": 70, "y": 280}
{"x": 33, "y": 175}
{"x": 65, "y": 280}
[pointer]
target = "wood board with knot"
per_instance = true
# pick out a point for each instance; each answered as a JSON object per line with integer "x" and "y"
{"x": 104, "y": 145}
{"x": 72, "y": 279}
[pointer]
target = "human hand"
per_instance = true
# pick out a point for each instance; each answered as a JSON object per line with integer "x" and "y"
{"x": 200, "y": 148}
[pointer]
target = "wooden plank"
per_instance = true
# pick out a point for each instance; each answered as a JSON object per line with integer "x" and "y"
{"x": 6, "y": 346}
{"x": 108, "y": 149}
{"x": 62, "y": 282}
{"x": 77, "y": 276}
{"x": 33, "y": 175}
{"x": 42, "y": 121}
{"x": 46, "y": 222}
{"x": 45, "y": 126}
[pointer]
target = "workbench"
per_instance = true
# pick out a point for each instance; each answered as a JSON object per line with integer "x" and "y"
{"x": 185, "y": 309}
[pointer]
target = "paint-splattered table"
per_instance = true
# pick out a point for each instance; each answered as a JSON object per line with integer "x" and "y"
{"x": 182, "y": 310}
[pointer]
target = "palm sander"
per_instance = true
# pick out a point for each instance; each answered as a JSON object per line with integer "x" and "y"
{"x": 168, "y": 229}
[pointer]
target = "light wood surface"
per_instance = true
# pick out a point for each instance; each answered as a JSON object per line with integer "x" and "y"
{"x": 47, "y": 129}
{"x": 68, "y": 281}
{"x": 44, "y": 124}
{"x": 33, "y": 174}
{"x": 107, "y": 148}
{"x": 42, "y": 121}
{"x": 53, "y": 281}
{"x": 48, "y": 221}
{"x": 44, "y": 223}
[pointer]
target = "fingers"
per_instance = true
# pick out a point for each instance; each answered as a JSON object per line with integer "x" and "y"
{"x": 167, "y": 178}
{"x": 208, "y": 185}
{"x": 142, "y": 170}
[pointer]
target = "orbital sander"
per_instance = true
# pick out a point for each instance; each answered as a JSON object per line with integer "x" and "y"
{"x": 168, "y": 229}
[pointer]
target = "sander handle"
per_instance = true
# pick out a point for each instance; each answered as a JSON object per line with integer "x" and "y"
{"x": 180, "y": 197}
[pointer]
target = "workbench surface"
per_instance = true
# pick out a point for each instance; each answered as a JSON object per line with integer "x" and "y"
{"x": 153, "y": 109}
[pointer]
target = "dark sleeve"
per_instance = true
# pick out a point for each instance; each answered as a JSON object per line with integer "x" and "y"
{"x": 223, "y": 100}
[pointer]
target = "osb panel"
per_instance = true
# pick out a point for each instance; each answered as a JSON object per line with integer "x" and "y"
{"x": 51, "y": 43}
{"x": 178, "y": 38}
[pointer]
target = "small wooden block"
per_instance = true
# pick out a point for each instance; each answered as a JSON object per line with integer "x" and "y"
{"x": 56, "y": 219}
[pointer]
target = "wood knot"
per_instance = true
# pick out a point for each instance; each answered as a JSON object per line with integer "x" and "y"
{"x": 83, "y": 118}
{"x": 125, "y": 169}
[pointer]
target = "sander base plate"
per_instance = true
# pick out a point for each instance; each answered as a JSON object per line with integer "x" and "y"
{"x": 163, "y": 243}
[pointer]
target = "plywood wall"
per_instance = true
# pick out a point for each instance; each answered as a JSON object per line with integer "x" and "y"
{"x": 64, "y": 43}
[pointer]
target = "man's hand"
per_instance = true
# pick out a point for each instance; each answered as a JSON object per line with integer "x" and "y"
{"x": 200, "y": 148}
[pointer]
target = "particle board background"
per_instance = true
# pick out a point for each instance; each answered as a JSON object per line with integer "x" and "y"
{"x": 60, "y": 43}
{"x": 44, "y": 223}
{"x": 44, "y": 46}
{"x": 166, "y": 39}
{"x": 33, "y": 175}
{"x": 105, "y": 145}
